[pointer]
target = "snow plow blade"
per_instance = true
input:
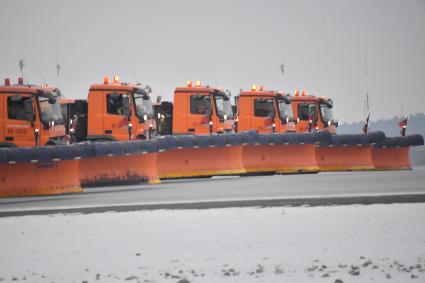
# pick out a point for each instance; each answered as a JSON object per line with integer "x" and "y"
{"x": 280, "y": 153}
{"x": 29, "y": 171}
{"x": 199, "y": 156}
{"x": 347, "y": 152}
{"x": 118, "y": 163}
{"x": 393, "y": 153}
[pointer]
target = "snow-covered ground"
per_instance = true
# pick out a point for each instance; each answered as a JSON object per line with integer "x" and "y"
{"x": 375, "y": 243}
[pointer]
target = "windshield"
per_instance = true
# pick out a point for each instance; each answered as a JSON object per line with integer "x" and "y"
{"x": 143, "y": 105}
{"x": 50, "y": 112}
{"x": 285, "y": 110}
{"x": 326, "y": 112}
{"x": 223, "y": 107}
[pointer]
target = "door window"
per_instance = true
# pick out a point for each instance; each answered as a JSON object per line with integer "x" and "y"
{"x": 118, "y": 104}
{"x": 263, "y": 107}
{"x": 306, "y": 111}
{"x": 200, "y": 104}
{"x": 20, "y": 108}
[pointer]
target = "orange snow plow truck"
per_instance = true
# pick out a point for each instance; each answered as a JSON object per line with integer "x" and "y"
{"x": 197, "y": 110}
{"x": 264, "y": 111}
{"x": 30, "y": 115}
{"x": 112, "y": 112}
{"x": 313, "y": 113}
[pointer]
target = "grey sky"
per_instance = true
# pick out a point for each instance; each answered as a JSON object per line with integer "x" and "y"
{"x": 233, "y": 44}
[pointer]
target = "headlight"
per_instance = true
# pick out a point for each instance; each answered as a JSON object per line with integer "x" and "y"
{"x": 225, "y": 116}
{"x": 145, "y": 117}
{"x": 329, "y": 122}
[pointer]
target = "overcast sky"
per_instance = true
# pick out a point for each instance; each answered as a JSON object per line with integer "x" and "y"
{"x": 324, "y": 46}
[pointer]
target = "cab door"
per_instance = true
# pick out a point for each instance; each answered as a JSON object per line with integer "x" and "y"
{"x": 244, "y": 112}
{"x": 264, "y": 113}
{"x": 117, "y": 115}
{"x": 200, "y": 113}
{"x": 19, "y": 119}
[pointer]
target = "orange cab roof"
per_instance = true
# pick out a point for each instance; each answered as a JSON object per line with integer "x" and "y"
{"x": 204, "y": 89}
{"x": 113, "y": 86}
{"x": 305, "y": 98}
{"x": 259, "y": 93}
{"x": 30, "y": 89}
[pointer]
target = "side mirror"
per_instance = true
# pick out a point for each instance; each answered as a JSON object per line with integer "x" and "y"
{"x": 52, "y": 100}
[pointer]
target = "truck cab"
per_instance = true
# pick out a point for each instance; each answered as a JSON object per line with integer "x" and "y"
{"x": 313, "y": 113}
{"x": 114, "y": 111}
{"x": 202, "y": 110}
{"x": 30, "y": 115}
{"x": 264, "y": 111}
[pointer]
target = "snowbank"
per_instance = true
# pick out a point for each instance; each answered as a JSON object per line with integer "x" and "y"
{"x": 382, "y": 243}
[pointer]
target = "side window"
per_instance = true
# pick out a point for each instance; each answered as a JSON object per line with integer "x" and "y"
{"x": 200, "y": 104}
{"x": 20, "y": 108}
{"x": 118, "y": 104}
{"x": 306, "y": 110}
{"x": 263, "y": 107}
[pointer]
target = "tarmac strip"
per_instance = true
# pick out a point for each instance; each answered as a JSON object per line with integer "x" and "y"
{"x": 280, "y": 202}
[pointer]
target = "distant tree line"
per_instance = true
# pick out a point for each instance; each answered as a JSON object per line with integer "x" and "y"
{"x": 415, "y": 125}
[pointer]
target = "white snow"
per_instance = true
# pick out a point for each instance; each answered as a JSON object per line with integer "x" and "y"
{"x": 287, "y": 244}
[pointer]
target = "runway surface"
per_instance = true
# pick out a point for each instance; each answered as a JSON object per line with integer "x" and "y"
{"x": 279, "y": 190}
